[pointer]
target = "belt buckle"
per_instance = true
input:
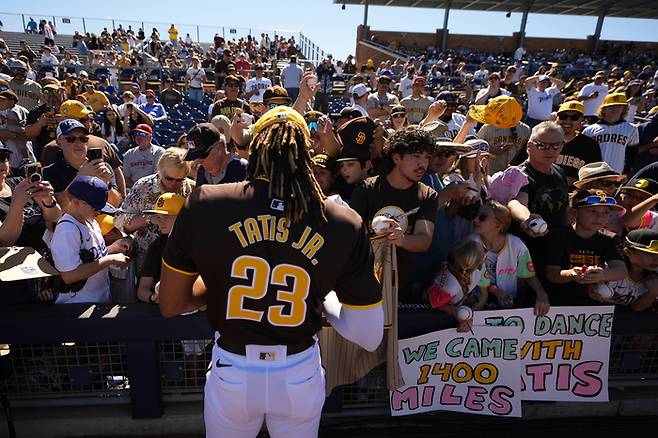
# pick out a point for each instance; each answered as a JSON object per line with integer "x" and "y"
{"x": 266, "y": 354}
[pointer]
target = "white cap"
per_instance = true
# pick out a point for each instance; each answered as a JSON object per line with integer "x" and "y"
{"x": 360, "y": 90}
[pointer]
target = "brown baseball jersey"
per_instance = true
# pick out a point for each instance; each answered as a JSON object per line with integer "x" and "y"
{"x": 267, "y": 278}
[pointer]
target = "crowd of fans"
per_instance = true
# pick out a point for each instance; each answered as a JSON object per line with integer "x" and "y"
{"x": 509, "y": 187}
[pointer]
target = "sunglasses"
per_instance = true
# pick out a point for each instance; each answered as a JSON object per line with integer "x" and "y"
{"x": 171, "y": 178}
{"x": 232, "y": 86}
{"x": 140, "y": 134}
{"x": 313, "y": 126}
{"x": 446, "y": 154}
{"x": 398, "y": 116}
{"x": 572, "y": 117}
{"x": 4, "y": 88}
{"x": 73, "y": 138}
{"x": 543, "y": 146}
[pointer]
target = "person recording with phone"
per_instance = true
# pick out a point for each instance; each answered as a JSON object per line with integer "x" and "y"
{"x": 27, "y": 205}
{"x": 42, "y": 120}
{"x": 77, "y": 159}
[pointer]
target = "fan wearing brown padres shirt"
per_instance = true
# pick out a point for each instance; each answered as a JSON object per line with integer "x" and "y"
{"x": 262, "y": 255}
{"x": 400, "y": 196}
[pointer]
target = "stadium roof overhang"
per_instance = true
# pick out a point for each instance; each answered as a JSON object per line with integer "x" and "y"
{"x": 622, "y": 9}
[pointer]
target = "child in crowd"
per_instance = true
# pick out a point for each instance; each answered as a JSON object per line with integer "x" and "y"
{"x": 638, "y": 197}
{"x": 582, "y": 253}
{"x": 507, "y": 261}
{"x": 463, "y": 271}
{"x": 164, "y": 215}
{"x": 78, "y": 248}
{"x": 353, "y": 160}
{"x": 639, "y": 289}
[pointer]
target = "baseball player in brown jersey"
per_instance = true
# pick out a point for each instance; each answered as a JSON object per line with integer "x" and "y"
{"x": 262, "y": 255}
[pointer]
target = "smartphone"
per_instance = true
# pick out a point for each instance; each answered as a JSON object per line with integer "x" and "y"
{"x": 94, "y": 154}
{"x": 32, "y": 171}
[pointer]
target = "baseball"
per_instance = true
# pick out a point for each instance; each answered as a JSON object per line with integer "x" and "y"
{"x": 464, "y": 313}
{"x": 312, "y": 81}
{"x": 604, "y": 291}
{"x": 380, "y": 224}
{"x": 539, "y": 226}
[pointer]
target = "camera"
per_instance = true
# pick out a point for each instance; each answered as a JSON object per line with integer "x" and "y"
{"x": 32, "y": 171}
{"x": 94, "y": 154}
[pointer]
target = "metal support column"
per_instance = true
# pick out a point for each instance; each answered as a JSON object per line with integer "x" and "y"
{"x": 365, "y": 20}
{"x": 84, "y": 26}
{"x": 597, "y": 32}
{"x": 524, "y": 22}
{"x": 446, "y": 16}
{"x": 23, "y": 18}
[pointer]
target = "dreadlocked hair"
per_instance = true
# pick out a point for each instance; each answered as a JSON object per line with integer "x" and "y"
{"x": 463, "y": 258}
{"x": 279, "y": 154}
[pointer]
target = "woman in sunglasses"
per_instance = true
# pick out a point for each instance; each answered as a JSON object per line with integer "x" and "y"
{"x": 171, "y": 176}
{"x": 507, "y": 261}
{"x": 578, "y": 149}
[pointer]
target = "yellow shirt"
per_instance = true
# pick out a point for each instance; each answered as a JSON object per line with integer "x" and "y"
{"x": 173, "y": 33}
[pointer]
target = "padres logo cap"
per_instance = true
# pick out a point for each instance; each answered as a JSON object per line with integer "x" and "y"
{"x": 168, "y": 204}
{"x": 74, "y": 109}
{"x": 572, "y": 105}
{"x": 501, "y": 112}
{"x": 615, "y": 99}
{"x": 356, "y": 137}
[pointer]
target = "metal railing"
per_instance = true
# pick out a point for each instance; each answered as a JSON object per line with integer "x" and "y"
{"x": 130, "y": 354}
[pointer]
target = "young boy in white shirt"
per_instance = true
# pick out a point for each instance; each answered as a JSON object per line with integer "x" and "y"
{"x": 78, "y": 248}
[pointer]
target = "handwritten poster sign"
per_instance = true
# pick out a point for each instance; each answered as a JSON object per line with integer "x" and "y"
{"x": 461, "y": 372}
{"x": 564, "y": 355}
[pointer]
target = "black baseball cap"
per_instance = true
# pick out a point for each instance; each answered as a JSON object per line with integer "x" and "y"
{"x": 643, "y": 239}
{"x": 200, "y": 140}
{"x": 356, "y": 137}
{"x": 276, "y": 92}
{"x": 644, "y": 185}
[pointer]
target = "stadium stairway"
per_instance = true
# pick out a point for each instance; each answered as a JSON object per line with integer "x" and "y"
{"x": 35, "y": 41}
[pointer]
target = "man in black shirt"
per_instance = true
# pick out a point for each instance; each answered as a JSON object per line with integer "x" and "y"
{"x": 579, "y": 149}
{"x": 170, "y": 96}
{"x": 42, "y": 120}
{"x": 262, "y": 255}
{"x": 399, "y": 195}
{"x": 221, "y": 69}
{"x": 232, "y": 101}
{"x": 546, "y": 196}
